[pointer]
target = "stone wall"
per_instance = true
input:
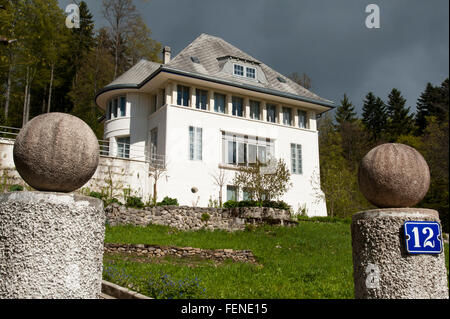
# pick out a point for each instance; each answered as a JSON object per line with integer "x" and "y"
{"x": 161, "y": 251}
{"x": 193, "y": 218}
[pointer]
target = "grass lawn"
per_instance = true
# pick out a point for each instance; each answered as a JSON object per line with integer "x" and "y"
{"x": 311, "y": 260}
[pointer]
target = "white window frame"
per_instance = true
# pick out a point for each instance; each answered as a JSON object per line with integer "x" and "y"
{"x": 296, "y": 159}
{"x": 254, "y": 72}
{"x": 125, "y": 152}
{"x": 245, "y": 73}
{"x": 306, "y": 119}
{"x": 195, "y": 143}
{"x": 243, "y": 70}
{"x": 114, "y": 107}
{"x": 262, "y": 148}
{"x": 153, "y": 143}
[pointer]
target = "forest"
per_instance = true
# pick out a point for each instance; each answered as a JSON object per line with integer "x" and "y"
{"x": 47, "y": 67}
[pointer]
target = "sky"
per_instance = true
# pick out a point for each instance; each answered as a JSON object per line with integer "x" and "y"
{"x": 326, "y": 39}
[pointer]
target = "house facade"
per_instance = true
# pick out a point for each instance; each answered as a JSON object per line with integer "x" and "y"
{"x": 209, "y": 111}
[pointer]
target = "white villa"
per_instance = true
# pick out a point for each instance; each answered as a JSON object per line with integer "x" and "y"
{"x": 213, "y": 107}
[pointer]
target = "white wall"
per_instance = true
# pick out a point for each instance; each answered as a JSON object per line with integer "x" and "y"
{"x": 183, "y": 174}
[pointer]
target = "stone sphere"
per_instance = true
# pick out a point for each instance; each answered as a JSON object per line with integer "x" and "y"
{"x": 56, "y": 152}
{"x": 393, "y": 175}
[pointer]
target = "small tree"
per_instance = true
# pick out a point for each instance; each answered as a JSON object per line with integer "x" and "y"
{"x": 220, "y": 179}
{"x": 268, "y": 180}
{"x": 157, "y": 168}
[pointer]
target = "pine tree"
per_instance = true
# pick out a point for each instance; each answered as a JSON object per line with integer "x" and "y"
{"x": 345, "y": 112}
{"x": 374, "y": 116}
{"x": 400, "y": 122}
{"x": 428, "y": 104}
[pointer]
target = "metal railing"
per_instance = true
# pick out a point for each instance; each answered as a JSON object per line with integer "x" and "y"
{"x": 8, "y": 133}
{"x": 118, "y": 150}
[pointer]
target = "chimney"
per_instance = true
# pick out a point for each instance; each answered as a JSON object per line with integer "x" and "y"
{"x": 166, "y": 54}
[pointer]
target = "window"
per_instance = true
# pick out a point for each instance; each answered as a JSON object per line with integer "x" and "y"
{"x": 219, "y": 103}
{"x": 237, "y": 105}
{"x": 232, "y": 193}
{"x": 153, "y": 143}
{"x": 123, "y": 106}
{"x": 123, "y": 147}
{"x": 250, "y": 72}
{"x": 155, "y": 104}
{"x": 301, "y": 119}
{"x": 271, "y": 113}
{"x": 254, "y": 110}
{"x": 163, "y": 97}
{"x": 231, "y": 152}
{"x": 182, "y": 95}
{"x": 296, "y": 159}
{"x": 245, "y": 150}
{"x": 195, "y": 143}
{"x": 247, "y": 194}
{"x": 117, "y": 107}
{"x": 242, "y": 153}
{"x": 200, "y": 99}
{"x": 287, "y": 116}
{"x": 238, "y": 70}
{"x": 108, "y": 110}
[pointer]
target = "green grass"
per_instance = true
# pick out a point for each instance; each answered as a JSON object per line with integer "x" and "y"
{"x": 311, "y": 260}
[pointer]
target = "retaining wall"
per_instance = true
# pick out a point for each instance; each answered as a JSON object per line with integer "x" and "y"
{"x": 194, "y": 218}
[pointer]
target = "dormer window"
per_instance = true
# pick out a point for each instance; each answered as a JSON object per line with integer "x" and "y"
{"x": 238, "y": 70}
{"x": 250, "y": 72}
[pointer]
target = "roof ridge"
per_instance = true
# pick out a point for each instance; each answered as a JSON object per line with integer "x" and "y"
{"x": 187, "y": 47}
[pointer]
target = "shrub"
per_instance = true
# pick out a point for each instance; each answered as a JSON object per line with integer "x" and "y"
{"x": 167, "y": 201}
{"x": 97, "y": 195}
{"x": 15, "y": 188}
{"x": 135, "y": 202}
{"x": 160, "y": 286}
{"x": 276, "y": 204}
{"x": 205, "y": 217}
{"x": 230, "y": 204}
{"x": 164, "y": 287}
{"x": 248, "y": 203}
{"x": 252, "y": 203}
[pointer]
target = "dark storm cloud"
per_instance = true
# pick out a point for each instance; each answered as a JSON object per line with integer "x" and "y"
{"x": 326, "y": 39}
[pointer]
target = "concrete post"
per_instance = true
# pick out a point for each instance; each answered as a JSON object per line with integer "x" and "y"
{"x": 51, "y": 245}
{"x": 382, "y": 267}
{"x": 389, "y": 262}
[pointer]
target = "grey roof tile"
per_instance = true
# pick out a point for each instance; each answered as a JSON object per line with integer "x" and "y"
{"x": 209, "y": 49}
{"x": 136, "y": 74}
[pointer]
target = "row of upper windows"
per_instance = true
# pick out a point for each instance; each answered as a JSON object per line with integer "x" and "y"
{"x": 237, "y": 149}
{"x": 242, "y": 150}
{"x": 201, "y": 98}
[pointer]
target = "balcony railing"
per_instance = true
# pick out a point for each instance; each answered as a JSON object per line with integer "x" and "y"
{"x": 118, "y": 150}
{"x": 8, "y": 133}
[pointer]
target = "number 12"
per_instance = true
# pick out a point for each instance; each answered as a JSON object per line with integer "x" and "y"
{"x": 427, "y": 242}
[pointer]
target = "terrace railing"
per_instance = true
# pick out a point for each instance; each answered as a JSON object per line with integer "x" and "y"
{"x": 118, "y": 150}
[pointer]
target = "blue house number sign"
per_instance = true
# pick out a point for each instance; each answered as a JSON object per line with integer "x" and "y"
{"x": 423, "y": 237}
